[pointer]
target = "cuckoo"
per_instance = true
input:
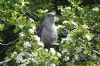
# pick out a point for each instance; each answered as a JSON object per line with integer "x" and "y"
{"x": 47, "y": 31}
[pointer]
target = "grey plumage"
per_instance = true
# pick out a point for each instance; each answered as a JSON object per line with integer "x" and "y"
{"x": 48, "y": 31}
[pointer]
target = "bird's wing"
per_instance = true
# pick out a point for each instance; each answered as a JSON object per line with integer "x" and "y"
{"x": 39, "y": 30}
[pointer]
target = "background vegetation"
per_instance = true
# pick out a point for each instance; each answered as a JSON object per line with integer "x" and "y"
{"x": 78, "y": 29}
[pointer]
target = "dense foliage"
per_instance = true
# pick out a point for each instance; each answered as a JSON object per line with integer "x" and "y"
{"x": 78, "y": 28}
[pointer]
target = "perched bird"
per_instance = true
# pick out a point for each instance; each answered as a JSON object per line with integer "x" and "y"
{"x": 47, "y": 31}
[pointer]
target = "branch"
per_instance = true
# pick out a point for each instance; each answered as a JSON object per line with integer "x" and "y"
{"x": 5, "y": 61}
{"x": 7, "y": 45}
{"x": 10, "y": 42}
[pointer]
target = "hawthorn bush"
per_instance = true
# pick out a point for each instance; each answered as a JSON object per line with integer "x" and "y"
{"x": 78, "y": 30}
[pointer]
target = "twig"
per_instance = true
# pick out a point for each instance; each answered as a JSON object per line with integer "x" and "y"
{"x": 10, "y": 42}
{"x": 7, "y": 45}
{"x": 5, "y": 61}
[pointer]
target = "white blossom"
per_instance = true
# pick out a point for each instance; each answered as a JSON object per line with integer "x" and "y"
{"x": 13, "y": 54}
{"x": 21, "y": 34}
{"x": 55, "y": 43}
{"x": 31, "y": 30}
{"x": 19, "y": 59}
{"x": 40, "y": 43}
{"x": 65, "y": 50}
{"x": 59, "y": 26}
{"x": 76, "y": 57}
{"x": 61, "y": 8}
{"x": 34, "y": 60}
{"x": 37, "y": 38}
{"x": 88, "y": 37}
{"x": 68, "y": 38}
{"x": 7, "y": 58}
{"x": 75, "y": 24}
{"x": 64, "y": 22}
{"x": 58, "y": 54}
{"x": 22, "y": 65}
{"x": 69, "y": 8}
{"x": 46, "y": 50}
{"x": 31, "y": 19}
{"x": 33, "y": 27}
{"x": 95, "y": 9}
{"x": 26, "y": 45}
{"x": 80, "y": 8}
{"x": 40, "y": 48}
{"x": 85, "y": 26}
{"x": 52, "y": 51}
{"x": 23, "y": 3}
{"x": 35, "y": 54}
{"x": 53, "y": 64}
{"x": 63, "y": 40}
{"x": 25, "y": 61}
{"x": 43, "y": 11}
{"x": 20, "y": 26}
{"x": 29, "y": 54}
{"x": 66, "y": 58}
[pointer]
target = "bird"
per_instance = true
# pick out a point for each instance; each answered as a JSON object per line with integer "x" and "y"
{"x": 47, "y": 31}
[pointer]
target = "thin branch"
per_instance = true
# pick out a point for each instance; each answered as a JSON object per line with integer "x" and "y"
{"x": 10, "y": 42}
{"x": 5, "y": 61}
{"x": 7, "y": 45}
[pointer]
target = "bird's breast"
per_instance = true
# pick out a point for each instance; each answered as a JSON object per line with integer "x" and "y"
{"x": 49, "y": 36}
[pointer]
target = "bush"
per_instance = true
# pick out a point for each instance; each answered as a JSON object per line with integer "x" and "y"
{"x": 78, "y": 30}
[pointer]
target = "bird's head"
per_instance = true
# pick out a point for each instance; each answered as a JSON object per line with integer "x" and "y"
{"x": 51, "y": 16}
